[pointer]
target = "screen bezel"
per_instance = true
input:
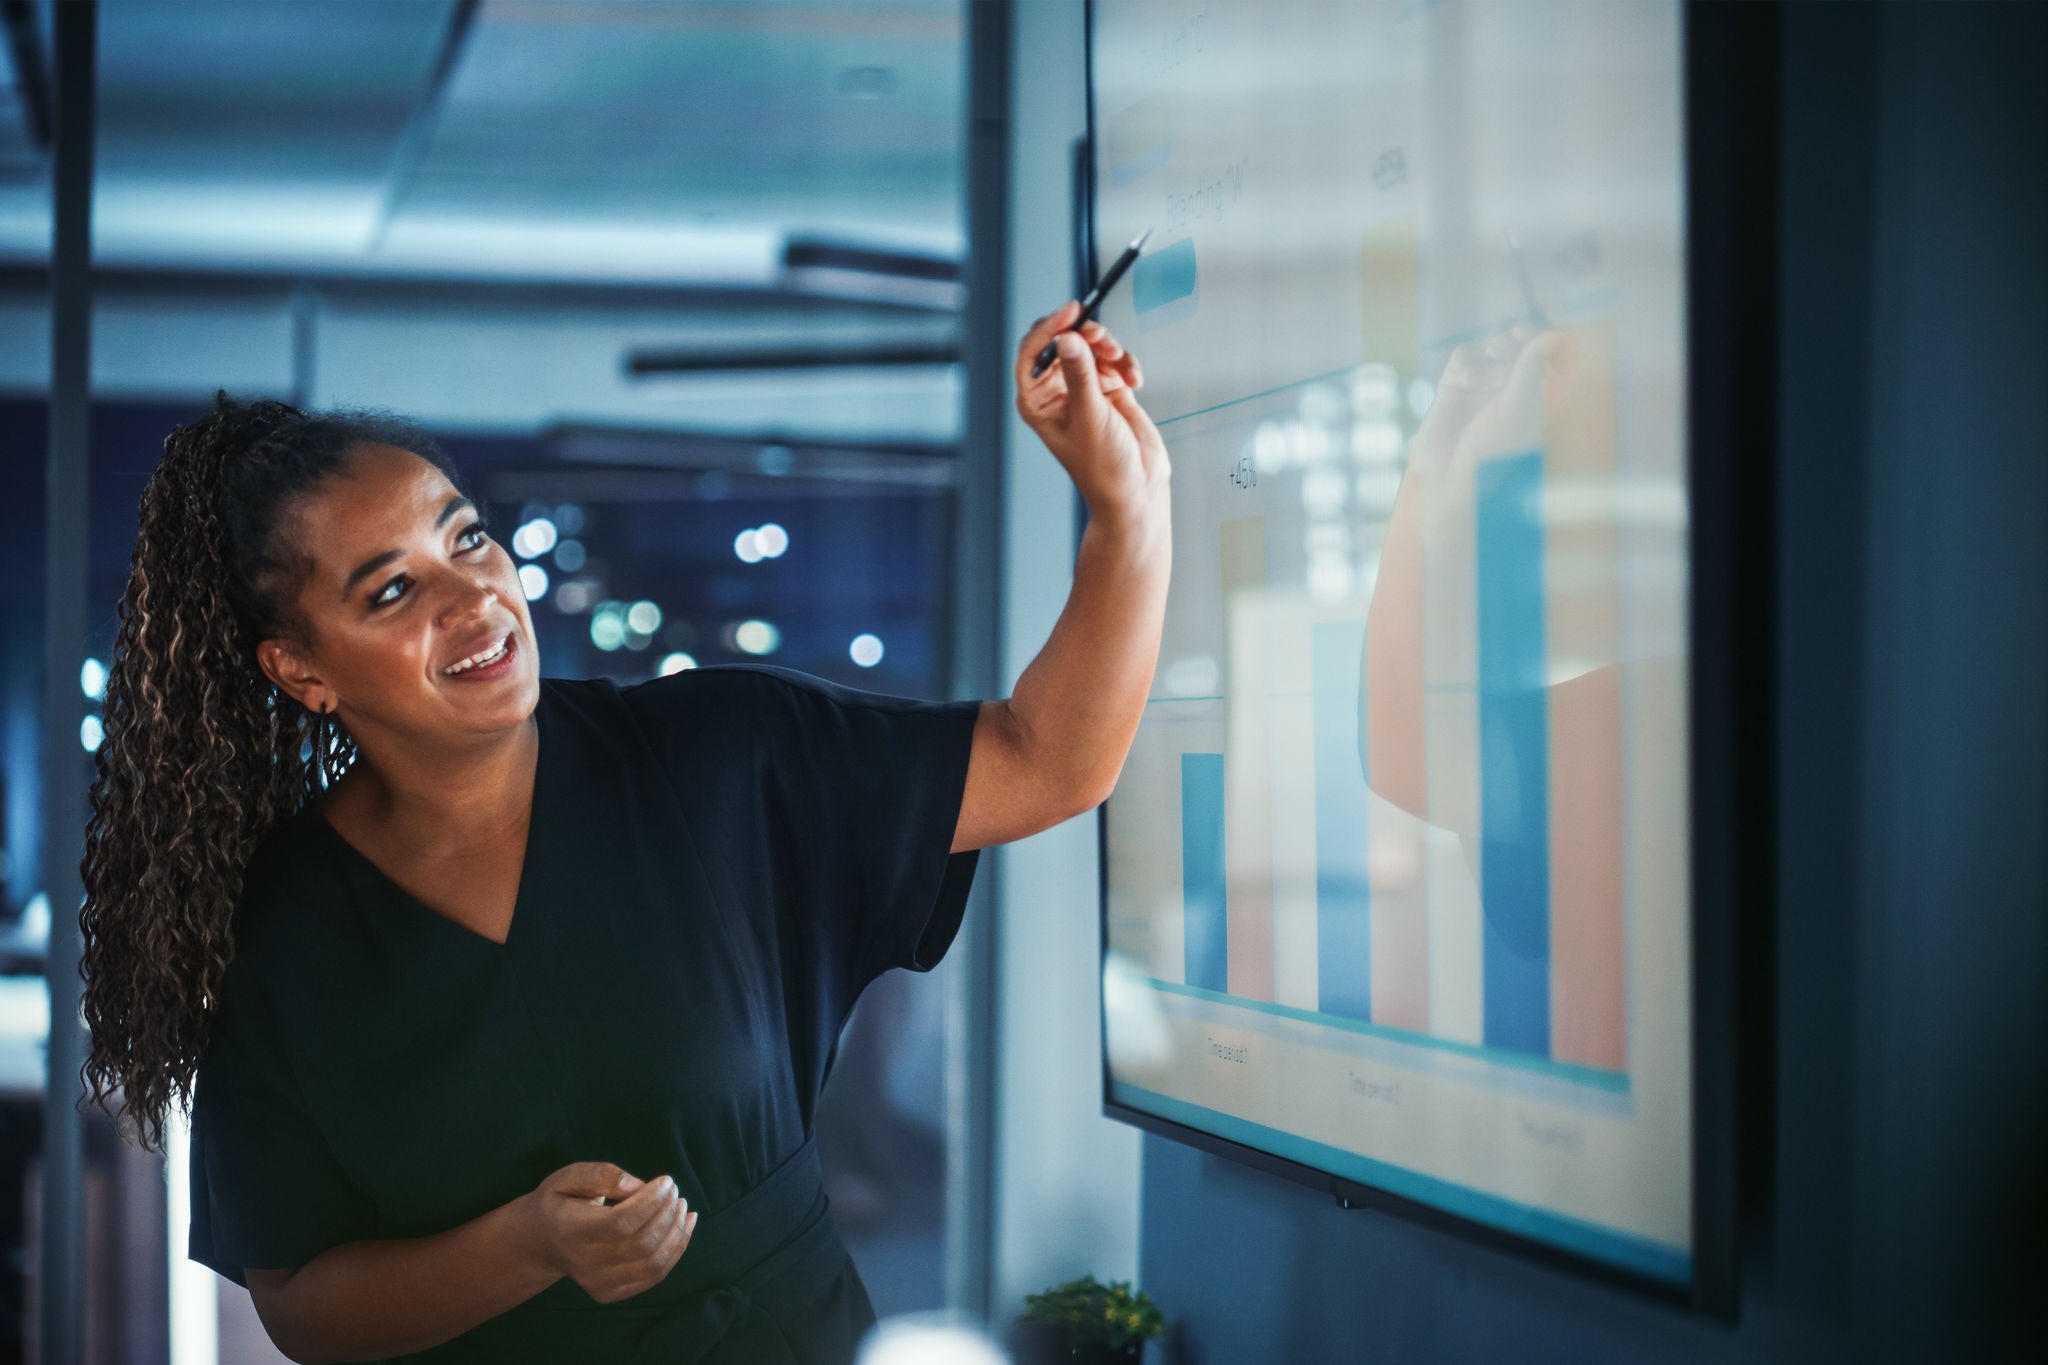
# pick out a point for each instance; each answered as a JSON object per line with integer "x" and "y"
{"x": 1730, "y": 140}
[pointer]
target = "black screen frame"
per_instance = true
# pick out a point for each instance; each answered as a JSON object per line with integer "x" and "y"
{"x": 1731, "y": 131}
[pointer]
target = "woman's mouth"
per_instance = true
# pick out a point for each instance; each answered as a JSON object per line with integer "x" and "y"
{"x": 487, "y": 664}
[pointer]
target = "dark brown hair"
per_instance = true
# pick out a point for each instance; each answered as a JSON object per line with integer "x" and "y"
{"x": 202, "y": 754}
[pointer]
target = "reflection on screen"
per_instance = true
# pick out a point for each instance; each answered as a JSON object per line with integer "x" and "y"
{"x": 1398, "y": 865}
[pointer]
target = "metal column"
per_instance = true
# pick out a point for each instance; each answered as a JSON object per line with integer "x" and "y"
{"x": 64, "y": 769}
{"x": 976, "y": 600}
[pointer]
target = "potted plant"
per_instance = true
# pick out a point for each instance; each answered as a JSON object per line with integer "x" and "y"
{"x": 1088, "y": 1321}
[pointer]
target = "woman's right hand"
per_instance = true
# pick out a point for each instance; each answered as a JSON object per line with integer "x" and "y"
{"x": 613, "y": 1251}
{"x": 1085, "y": 411}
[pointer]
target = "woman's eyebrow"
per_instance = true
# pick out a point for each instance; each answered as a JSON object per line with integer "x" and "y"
{"x": 376, "y": 562}
{"x": 450, "y": 508}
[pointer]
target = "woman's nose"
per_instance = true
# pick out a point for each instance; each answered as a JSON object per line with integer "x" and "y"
{"x": 468, "y": 596}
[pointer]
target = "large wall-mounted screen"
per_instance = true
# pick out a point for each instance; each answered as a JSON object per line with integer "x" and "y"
{"x": 1397, "y": 872}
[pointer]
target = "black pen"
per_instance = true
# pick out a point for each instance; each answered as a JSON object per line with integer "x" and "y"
{"x": 1094, "y": 299}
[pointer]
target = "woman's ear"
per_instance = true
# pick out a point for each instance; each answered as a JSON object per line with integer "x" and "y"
{"x": 283, "y": 663}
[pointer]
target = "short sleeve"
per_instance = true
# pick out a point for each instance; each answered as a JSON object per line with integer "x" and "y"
{"x": 862, "y": 793}
{"x": 266, "y": 1189}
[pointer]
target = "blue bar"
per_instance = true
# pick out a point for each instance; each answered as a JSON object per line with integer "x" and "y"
{"x": 1201, "y": 869}
{"x": 1514, "y": 756}
{"x": 1343, "y": 880}
{"x": 1165, "y": 276}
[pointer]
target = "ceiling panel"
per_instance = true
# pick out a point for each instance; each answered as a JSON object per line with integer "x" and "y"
{"x": 661, "y": 139}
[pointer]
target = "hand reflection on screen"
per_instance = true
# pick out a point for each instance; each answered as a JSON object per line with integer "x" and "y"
{"x": 1489, "y": 404}
{"x": 1516, "y": 744}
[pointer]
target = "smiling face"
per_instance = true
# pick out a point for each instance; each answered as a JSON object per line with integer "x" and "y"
{"x": 398, "y": 584}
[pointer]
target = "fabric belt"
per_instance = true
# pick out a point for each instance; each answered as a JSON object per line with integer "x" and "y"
{"x": 731, "y": 1241}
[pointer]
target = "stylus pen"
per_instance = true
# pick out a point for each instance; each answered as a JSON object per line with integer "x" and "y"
{"x": 1094, "y": 298}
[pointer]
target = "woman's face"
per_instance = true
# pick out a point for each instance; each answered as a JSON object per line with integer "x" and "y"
{"x": 403, "y": 587}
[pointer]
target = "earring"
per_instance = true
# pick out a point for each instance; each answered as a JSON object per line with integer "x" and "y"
{"x": 328, "y": 759}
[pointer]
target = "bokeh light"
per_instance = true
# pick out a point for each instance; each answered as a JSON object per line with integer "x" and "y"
{"x": 866, "y": 650}
{"x": 608, "y": 626}
{"x": 757, "y": 637}
{"x": 533, "y": 581}
{"x": 534, "y": 539}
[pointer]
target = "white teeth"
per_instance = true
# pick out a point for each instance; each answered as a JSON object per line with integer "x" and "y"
{"x": 489, "y": 656}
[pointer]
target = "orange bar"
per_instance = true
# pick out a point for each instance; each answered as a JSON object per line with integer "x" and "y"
{"x": 1588, "y": 969}
{"x": 1588, "y": 937}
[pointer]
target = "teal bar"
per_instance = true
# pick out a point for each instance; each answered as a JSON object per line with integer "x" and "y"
{"x": 1201, "y": 870}
{"x": 1514, "y": 755}
{"x": 1164, "y": 276}
{"x": 1343, "y": 875}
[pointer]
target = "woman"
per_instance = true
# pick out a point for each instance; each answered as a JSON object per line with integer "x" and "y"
{"x": 487, "y": 988}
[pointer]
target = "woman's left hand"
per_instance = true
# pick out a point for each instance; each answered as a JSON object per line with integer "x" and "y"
{"x": 1085, "y": 410}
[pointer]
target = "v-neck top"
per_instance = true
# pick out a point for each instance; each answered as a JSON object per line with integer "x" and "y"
{"x": 718, "y": 863}
{"x": 367, "y": 866}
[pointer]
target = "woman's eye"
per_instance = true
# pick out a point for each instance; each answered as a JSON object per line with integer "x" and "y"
{"x": 384, "y": 597}
{"x": 476, "y": 529}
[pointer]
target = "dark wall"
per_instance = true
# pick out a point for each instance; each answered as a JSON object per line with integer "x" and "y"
{"x": 1900, "y": 1206}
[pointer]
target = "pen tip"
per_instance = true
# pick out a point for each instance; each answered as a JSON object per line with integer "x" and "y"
{"x": 1138, "y": 244}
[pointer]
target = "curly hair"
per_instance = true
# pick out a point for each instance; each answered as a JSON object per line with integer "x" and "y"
{"x": 202, "y": 754}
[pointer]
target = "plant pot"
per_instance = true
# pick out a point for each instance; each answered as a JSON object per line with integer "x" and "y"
{"x": 1035, "y": 1343}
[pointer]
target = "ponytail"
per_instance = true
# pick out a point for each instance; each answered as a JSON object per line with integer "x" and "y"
{"x": 202, "y": 755}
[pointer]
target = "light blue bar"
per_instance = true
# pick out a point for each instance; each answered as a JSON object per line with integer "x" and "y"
{"x": 1655, "y": 1260}
{"x": 1201, "y": 870}
{"x": 1514, "y": 756}
{"x": 1343, "y": 881}
{"x": 1164, "y": 276}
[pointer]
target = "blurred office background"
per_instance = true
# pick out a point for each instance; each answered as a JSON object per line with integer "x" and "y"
{"x": 678, "y": 285}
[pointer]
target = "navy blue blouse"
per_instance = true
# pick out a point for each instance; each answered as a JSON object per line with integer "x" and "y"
{"x": 718, "y": 863}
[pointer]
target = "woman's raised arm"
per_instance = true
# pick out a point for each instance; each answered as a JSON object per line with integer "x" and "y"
{"x": 1056, "y": 746}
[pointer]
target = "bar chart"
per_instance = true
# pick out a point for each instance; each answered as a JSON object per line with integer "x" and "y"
{"x": 1512, "y": 940}
{"x": 1396, "y": 873}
